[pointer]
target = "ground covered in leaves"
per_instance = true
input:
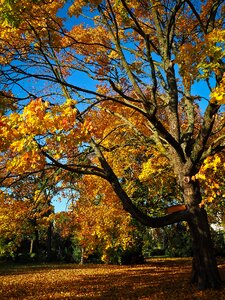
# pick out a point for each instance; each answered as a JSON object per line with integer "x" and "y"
{"x": 157, "y": 279}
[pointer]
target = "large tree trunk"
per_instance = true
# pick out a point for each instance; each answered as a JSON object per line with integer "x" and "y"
{"x": 205, "y": 273}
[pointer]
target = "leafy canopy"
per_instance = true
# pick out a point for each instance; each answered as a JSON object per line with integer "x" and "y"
{"x": 108, "y": 90}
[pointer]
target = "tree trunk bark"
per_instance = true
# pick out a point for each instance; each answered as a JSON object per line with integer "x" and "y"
{"x": 49, "y": 242}
{"x": 31, "y": 245}
{"x": 82, "y": 256}
{"x": 205, "y": 272}
{"x": 36, "y": 244}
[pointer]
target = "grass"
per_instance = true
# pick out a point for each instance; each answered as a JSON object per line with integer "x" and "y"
{"x": 161, "y": 279}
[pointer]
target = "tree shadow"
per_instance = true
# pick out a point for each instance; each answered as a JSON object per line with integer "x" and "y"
{"x": 157, "y": 279}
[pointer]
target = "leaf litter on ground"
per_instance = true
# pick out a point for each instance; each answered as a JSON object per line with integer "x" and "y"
{"x": 158, "y": 278}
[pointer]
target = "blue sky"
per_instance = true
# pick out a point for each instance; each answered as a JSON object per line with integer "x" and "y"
{"x": 83, "y": 80}
{"x": 60, "y": 205}
{"x": 199, "y": 88}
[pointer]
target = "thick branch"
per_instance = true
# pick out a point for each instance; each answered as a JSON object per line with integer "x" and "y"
{"x": 144, "y": 219}
{"x": 196, "y": 15}
{"x": 79, "y": 169}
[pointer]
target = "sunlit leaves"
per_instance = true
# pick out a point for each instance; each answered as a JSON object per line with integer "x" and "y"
{"x": 17, "y": 19}
{"x": 218, "y": 93}
{"x": 106, "y": 226}
{"x": 188, "y": 57}
{"x": 12, "y": 10}
{"x": 211, "y": 176}
{"x": 139, "y": 124}
{"x": 76, "y": 7}
{"x": 23, "y": 130}
{"x": 53, "y": 281}
{"x": 213, "y": 53}
{"x": 12, "y": 222}
{"x": 155, "y": 165}
{"x": 25, "y": 211}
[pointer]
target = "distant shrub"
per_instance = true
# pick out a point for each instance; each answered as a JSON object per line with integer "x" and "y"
{"x": 219, "y": 242}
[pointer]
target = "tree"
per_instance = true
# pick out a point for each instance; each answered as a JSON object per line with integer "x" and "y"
{"x": 13, "y": 225}
{"x": 106, "y": 226}
{"x": 145, "y": 59}
{"x": 26, "y": 212}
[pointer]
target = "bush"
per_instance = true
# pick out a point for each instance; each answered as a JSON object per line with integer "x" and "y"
{"x": 218, "y": 238}
{"x": 179, "y": 242}
{"x": 133, "y": 255}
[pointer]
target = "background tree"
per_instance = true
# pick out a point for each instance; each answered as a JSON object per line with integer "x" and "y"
{"x": 144, "y": 58}
{"x": 13, "y": 225}
{"x": 106, "y": 227}
{"x": 28, "y": 202}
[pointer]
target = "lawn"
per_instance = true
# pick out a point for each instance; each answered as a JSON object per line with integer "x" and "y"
{"x": 157, "y": 279}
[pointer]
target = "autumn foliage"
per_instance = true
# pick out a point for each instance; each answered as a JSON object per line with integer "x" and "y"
{"x": 154, "y": 280}
{"x": 117, "y": 106}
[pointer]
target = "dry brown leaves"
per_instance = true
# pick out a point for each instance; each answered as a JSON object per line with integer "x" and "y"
{"x": 161, "y": 279}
